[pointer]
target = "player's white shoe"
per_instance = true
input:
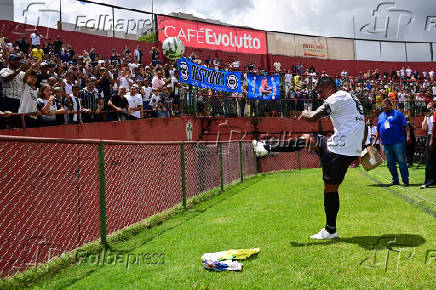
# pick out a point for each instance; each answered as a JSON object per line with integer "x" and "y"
{"x": 324, "y": 235}
{"x": 259, "y": 148}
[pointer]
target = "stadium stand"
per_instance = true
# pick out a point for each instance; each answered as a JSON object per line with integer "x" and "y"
{"x": 83, "y": 75}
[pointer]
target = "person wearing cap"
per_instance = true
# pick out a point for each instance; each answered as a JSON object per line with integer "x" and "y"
{"x": 135, "y": 103}
{"x": 12, "y": 80}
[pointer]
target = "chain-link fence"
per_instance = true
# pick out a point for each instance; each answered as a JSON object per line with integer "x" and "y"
{"x": 57, "y": 195}
{"x": 48, "y": 201}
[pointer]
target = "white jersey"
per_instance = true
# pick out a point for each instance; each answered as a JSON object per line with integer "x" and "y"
{"x": 134, "y": 102}
{"x": 347, "y": 116}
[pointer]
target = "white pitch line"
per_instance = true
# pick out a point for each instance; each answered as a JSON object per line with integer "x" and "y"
{"x": 416, "y": 195}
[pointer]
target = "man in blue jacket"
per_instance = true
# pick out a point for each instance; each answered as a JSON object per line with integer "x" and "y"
{"x": 394, "y": 132}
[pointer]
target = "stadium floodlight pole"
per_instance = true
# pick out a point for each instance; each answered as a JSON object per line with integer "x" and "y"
{"x": 115, "y": 6}
{"x": 60, "y": 15}
{"x": 113, "y": 22}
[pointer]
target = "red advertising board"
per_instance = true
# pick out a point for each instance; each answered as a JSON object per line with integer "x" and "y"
{"x": 216, "y": 37}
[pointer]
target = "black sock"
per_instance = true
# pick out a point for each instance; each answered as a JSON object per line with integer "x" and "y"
{"x": 331, "y": 208}
{"x": 292, "y": 145}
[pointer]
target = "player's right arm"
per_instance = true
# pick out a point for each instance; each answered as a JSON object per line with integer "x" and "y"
{"x": 312, "y": 116}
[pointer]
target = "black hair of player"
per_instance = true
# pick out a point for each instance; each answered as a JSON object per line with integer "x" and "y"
{"x": 326, "y": 82}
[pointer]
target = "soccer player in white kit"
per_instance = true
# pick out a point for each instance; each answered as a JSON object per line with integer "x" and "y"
{"x": 336, "y": 152}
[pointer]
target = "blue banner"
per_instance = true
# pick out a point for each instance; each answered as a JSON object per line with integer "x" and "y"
{"x": 203, "y": 77}
{"x": 263, "y": 87}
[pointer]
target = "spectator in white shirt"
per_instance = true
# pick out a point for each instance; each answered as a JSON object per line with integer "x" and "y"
{"x": 69, "y": 82}
{"x": 146, "y": 92}
{"x": 29, "y": 96}
{"x": 409, "y": 72}
{"x": 35, "y": 38}
{"x": 277, "y": 66}
{"x": 236, "y": 63}
{"x": 138, "y": 54}
{"x": 344, "y": 74}
{"x": 216, "y": 63}
{"x": 135, "y": 103}
{"x": 125, "y": 80}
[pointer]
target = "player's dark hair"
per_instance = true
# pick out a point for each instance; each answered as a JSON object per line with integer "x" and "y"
{"x": 326, "y": 82}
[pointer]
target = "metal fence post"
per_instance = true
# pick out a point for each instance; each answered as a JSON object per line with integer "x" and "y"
{"x": 241, "y": 161}
{"x": 299, "y": 160}
{"x": 102, "y": 194}
{"x": 220, "y": 152}
{"x": 256, "y": 162}
{"x": 182, "y": 164}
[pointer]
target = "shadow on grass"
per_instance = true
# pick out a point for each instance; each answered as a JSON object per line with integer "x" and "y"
{"x": 373, "y": 242}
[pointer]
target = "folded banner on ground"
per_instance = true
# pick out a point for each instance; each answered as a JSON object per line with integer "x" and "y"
{"x": 263, "y": 87}
{"x": 204, "y": 77}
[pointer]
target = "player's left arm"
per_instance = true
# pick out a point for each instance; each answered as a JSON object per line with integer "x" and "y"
{"x": 312, "y": 116}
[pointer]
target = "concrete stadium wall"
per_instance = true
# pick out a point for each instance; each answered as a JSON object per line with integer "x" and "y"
{"x": 174, "y": 129}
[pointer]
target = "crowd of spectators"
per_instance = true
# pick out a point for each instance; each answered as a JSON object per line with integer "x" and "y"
{"x": 409, "y": 90}
{"x": 45, "y": 82}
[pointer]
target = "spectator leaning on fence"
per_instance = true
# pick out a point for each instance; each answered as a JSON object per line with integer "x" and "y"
{"x": 91, "y": 102}
{"x": 393, "y": 130}
{"x": 12, "y": 81}
{"x": 119, "y": 104}
{"x": 29, "y": 96}
{"x": 47, "y": 107}
{"x": 135, "y": 103}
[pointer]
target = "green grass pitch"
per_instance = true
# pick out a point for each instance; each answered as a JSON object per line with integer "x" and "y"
{"x": 388, "y": 240}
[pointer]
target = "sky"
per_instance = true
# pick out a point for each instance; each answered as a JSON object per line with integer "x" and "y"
{"x": 314, "y": 17}
{"x": 394, "y": 20}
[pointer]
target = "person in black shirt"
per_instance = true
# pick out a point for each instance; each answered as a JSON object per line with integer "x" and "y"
{"x": 59, "y": 100}
{"x": 58, "y": 45}
{"x": 154, "y": 56}
{"x": 410, "y": 148}
{"x": 115, "y": 58}
{"x": 23, "y": 45}
{"x": 104, "y": 83}
{"x": 119, "y": 104}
